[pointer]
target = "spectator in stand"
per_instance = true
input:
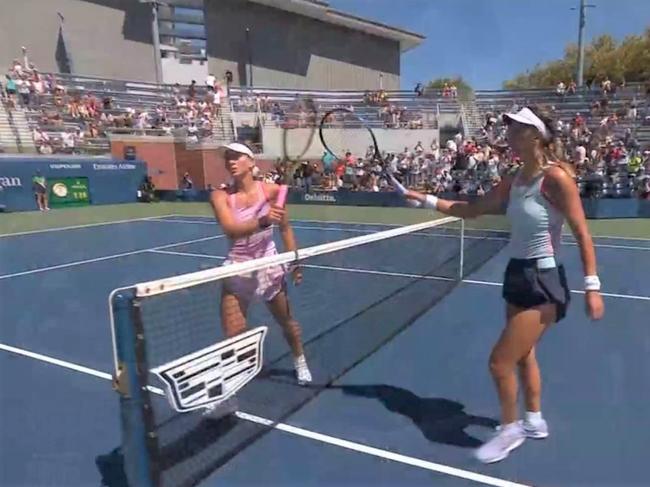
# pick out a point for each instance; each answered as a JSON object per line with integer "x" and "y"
{"x": 186, "y": 182}
{"x": 606, "y": 86}
{"x": 191, "y": 90}
{"x": 571, "y": 90}
{"x": 329, "y": 164}
{"x": 193, "y": 133}
{"x": 210, "y": 81}
{"x": 11, "y": 89}
{"x": 67, "y": 142}
{"x": 23, "y": 91}
{"x": 277, "y": 114}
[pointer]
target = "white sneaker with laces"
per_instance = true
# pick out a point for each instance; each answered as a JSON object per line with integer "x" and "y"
{"x": 302, "y": 370}
{"x": 537, "y": 429}
{"x": 506, "y": 439}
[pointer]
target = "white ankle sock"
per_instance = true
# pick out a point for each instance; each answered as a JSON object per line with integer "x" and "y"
{"x": 533, "y": 417}
{"x": 299, "y": 360}
{"x": 509, "y": 425}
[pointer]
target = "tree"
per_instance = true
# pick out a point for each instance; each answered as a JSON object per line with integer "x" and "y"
{"x": 627, "y": 61}
{"x": 464, "y": 89}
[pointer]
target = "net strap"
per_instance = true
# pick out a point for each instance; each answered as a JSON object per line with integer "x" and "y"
{"x": 160, "y": 286}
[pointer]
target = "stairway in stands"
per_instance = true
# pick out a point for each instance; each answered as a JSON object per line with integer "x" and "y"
{"x": 472, "y": 119}
{"x": 223, "y": 130}
{"x": 15, "y": 135}
{"x": 643, "y": 135}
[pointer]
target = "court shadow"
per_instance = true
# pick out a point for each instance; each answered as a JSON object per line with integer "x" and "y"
{"x": 440, "y": 420}
{"x": 278, "y": 374}
{"x": 111, "y": 469}
{"x": 198, "y": 441}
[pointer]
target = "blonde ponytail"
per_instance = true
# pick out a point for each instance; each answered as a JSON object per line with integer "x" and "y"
{"x": 554, "y": 155}
{"x": 553, "y": 148}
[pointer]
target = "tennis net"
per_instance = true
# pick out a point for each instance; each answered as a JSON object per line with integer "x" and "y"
{"x": 357, "y": 295}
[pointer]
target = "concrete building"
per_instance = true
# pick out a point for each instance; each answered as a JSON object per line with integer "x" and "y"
{"x": 264, "y": 43}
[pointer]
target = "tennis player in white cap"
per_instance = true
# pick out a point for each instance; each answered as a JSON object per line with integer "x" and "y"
{"x": 538, "y": 199}
{"x": 246, "y": 213}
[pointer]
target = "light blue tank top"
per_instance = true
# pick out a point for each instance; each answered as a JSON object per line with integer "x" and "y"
{"x": 535, "y": 224}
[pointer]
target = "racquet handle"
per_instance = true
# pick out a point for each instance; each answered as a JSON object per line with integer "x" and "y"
{"x": 282, "y": 195}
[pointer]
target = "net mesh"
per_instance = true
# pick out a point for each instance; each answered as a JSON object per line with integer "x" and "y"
{"x": 356, "y": 296}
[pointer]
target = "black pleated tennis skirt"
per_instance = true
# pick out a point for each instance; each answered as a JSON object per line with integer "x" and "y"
{"x": 526, "y": 285}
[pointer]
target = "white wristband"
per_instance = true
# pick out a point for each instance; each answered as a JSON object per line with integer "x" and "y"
{"x": 592, "y": 283}
{"x": 431, "y": 202}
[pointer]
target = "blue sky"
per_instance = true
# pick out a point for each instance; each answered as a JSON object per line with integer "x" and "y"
{"x": 489, "y": 41}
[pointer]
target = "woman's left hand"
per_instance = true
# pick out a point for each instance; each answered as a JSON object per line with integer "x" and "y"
{"x": 594, "y": 305}
{"x": 296, "y": 274}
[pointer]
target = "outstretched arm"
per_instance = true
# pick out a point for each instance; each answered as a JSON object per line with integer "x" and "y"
{"x": 491, "y": 203}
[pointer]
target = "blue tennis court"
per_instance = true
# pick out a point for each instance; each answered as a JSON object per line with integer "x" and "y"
{"x": 409, "y": 414}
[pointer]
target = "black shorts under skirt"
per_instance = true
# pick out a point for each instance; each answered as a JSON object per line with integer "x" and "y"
{"x": 526, "y": 286}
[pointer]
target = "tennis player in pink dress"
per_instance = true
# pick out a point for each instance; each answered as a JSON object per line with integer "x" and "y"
{"x": 247, "y": 217}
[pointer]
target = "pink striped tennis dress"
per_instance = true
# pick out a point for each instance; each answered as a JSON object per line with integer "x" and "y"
{"x": 265, "y": 283}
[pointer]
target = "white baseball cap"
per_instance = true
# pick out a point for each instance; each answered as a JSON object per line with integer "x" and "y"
{"x": 527, "y": 117}
{"x": 237, "y": 147}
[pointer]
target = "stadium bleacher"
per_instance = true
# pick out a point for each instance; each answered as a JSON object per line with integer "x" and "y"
{"x": 78, "y": 114}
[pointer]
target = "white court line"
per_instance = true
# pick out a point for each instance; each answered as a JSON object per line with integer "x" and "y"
{"x": 107, "y": 257}
{"x": 55, "y": 361}
{"x": 384, "y": 454}
{"x": 444, "y": 235}
{"x": 296, "y": 431}
{"x": 395, "y": 274}
{"x": 87, "y": 225}
{"x": 338, "y": 222}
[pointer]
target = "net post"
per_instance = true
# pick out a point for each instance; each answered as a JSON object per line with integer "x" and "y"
{"x": 137, "y": 464}
{"x": 462, "y": 250}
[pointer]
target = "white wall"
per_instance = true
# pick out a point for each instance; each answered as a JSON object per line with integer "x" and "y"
{"x": 175, "y": 72}
{"x": 389, "y": 140}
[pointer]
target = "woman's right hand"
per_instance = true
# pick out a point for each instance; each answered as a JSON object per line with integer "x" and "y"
{"x": 594, "y": 305}
{"x": 273, "y": 217}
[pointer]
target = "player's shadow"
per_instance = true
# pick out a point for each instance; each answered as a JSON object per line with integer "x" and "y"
{"x": 111, "y": 469}
{"x": 440, "y": 420}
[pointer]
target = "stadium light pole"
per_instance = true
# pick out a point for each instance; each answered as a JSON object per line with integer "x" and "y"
{"x": 155, "y": 33}
{"x": 249, "y": 55}
{"x": 581, "y": 41}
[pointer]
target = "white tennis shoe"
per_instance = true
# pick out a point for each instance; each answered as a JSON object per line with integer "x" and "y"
{"x": 302, "y": 370}
{"x": 537, "y": 429}
{"x": 506, "y": 439}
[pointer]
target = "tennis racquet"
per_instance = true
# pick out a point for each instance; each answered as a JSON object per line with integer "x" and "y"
{"x": 341, "y": 130}
{"x": 299, "y": 129}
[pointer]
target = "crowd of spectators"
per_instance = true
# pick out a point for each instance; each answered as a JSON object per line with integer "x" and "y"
{"x": 608, "y": 159}
{"x": 198, "y": 109}
{"x": 373, "y": 105}
{"x": 467, "y": 167}
{"x": 600, "y": 142}
{"x": 607, "y": 87}
{"x": 608, "y": 162}
{"x": 67, "y": 119}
